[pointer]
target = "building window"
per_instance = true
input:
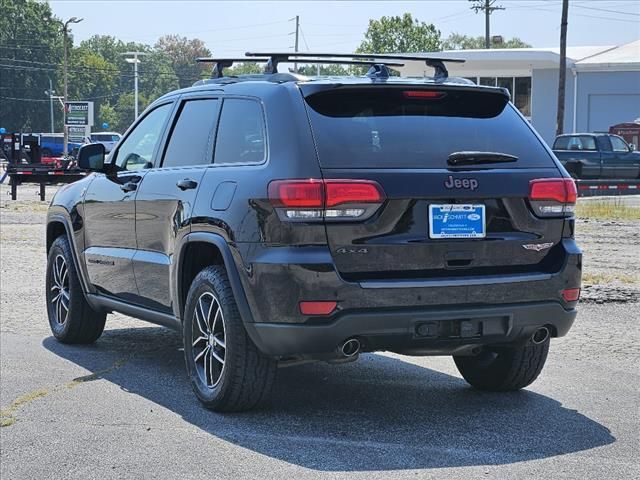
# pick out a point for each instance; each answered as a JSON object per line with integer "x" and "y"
{"x": 519, "y": 88}
{"x": 522, "y": 97}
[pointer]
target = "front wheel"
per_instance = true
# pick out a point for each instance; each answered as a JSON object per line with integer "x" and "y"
{"x": 505, "y": 368}
{"x": 226, "y": 370}
{"x": 71, "y": 318}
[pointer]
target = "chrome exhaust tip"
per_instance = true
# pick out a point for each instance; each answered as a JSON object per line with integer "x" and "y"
{"x": 351, "y": 347}
{"x": 540, "y": 336}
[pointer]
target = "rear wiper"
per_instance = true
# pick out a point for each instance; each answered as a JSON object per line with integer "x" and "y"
{"x": 458, "y": 159}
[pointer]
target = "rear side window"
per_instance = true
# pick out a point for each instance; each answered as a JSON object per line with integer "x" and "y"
{"x": 192, "y": 133}
{"x": 241, "y": 133}
{"x": 405, "y": 128}
{"x": 584, "y": 142}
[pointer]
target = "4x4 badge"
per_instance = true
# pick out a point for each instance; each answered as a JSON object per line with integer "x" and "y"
{"x": 538, "y": 247}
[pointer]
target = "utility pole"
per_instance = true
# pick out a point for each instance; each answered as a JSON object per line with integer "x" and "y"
{"x": 135, "y": 62}
{"x": 65, "y": 34}
{"x": 563, "y": 67}
{"x": 297, "y": 34}
{"x": 487, "y": 7}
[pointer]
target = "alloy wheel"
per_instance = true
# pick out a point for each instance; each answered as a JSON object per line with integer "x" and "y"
{"x": 208, "y": 339}
{"x": 60, "y": 290}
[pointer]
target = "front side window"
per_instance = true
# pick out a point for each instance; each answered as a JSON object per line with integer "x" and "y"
{"x": 241, "y": 133}
{"x": 192, "y": 133}
{"x": 619, "y": 145}
{"x": 136, "y": 152}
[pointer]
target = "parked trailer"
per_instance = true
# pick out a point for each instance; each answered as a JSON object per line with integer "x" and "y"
{"x": 592, "y": 188}
{"x": 42, "y": 176}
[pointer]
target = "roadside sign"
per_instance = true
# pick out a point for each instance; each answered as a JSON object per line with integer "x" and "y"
{"x": 78, "y": 114}
{"x": 77, "y": 134}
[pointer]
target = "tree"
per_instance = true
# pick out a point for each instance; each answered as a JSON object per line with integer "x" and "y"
{"x": 31, "y": 51}
{"x": 457, "y": 41}
{"x": 325, "y": 70}
{"x": 400, "y": 35}
{"x": 247, "y": 68}
{"x": 182, "y": 54}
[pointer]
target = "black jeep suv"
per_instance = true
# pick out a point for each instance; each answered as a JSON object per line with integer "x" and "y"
{"x": 277, "y": 219}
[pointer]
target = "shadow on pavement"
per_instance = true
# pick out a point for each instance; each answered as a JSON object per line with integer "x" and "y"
{"x": 379, "y": 413}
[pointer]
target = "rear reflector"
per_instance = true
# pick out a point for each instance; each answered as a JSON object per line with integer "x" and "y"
{"x": 317, "y": 308}
{"x": 571, "y": 294}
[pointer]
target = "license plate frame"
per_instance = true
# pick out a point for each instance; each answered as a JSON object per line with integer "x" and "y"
{"x": 462, "y": 221}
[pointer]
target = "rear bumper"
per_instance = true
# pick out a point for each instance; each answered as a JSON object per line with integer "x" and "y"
{"x": 442, "y": 331}
{"x": 461, "y": 312}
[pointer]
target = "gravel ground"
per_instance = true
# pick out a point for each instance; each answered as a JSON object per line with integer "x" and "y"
{"x": 122, "y": 408}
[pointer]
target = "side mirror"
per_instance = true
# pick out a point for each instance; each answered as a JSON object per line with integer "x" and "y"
{"x": 91, "y": 157}
{"x": 632, "y": 147}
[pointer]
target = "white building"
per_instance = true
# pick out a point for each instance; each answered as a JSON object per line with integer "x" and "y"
{"x": 602, "y": 86}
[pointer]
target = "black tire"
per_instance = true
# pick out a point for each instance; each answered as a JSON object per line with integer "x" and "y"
{"x": 244, "y": 377}
{"x": 46, "y": 152}
{"x": 71, "y": 318}
{"x": 504, "y": 369}
{"x": 576, "y": 171}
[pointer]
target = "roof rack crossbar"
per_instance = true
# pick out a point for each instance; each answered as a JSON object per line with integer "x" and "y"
{"x": 272, "y": 62}
{"x": 437, "y": 63}
{"x": 219, "y": 64}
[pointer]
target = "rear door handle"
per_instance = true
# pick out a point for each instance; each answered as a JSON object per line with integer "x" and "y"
{"x": 187, "y": 184}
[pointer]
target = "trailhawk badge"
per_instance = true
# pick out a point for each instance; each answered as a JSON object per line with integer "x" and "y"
{"x": 538, "y": 247}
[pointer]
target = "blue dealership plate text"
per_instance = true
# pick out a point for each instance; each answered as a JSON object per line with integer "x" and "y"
{"x": 457, "y": 221}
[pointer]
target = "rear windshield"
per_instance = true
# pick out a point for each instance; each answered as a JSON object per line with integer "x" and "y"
{"x": 402, "y": 128}
{"x": 584, "y": 142}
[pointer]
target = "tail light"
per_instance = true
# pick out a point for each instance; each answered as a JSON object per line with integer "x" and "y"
{"x": 331, "y": 200}
{"x": 553, "y": 197}
{"x": 571, "y": 294}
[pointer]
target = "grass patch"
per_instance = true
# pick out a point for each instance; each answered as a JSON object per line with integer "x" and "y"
{"x": 604, "y": 278}
{"x": 613, "y": 209}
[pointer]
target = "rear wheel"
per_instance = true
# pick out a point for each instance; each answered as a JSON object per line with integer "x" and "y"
{"x": 71, "y": 318}
{"x": 504, "y": 369}
{"x": 226, "y": 370}
{"x": 46, "y": 152}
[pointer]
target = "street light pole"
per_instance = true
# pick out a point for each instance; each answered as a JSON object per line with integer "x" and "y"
{"x": 51, "y": 92}
{"x": 65, "y": 34}
{"x": 135, "y": 60}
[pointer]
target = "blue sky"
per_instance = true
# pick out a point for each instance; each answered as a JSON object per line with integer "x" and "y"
{"x": 233, "y": 27}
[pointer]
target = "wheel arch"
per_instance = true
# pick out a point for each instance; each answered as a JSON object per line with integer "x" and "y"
{"x": 58, "y": 224}
{"x": 200, "y": 250}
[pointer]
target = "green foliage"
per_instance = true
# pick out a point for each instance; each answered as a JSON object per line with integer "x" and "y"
{"x": 457, "y": 41}
{"x": 182, "y": 53}
{"x": 400, "y": 35}
{"x": 325, "y": 70}
{"x": 30, "y": 50}
{"x": 249, "y": 68}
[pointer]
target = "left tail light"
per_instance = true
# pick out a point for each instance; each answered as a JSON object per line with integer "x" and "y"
{"x": 330, "y": 200}
{"x": 553, "y": 197}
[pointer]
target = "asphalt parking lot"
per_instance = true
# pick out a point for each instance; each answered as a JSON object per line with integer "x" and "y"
{"x": 122, "y": 408}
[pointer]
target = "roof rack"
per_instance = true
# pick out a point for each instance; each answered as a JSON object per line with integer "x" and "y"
{"x": 272, "y": 63}
{"x": 379, "y": 69}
